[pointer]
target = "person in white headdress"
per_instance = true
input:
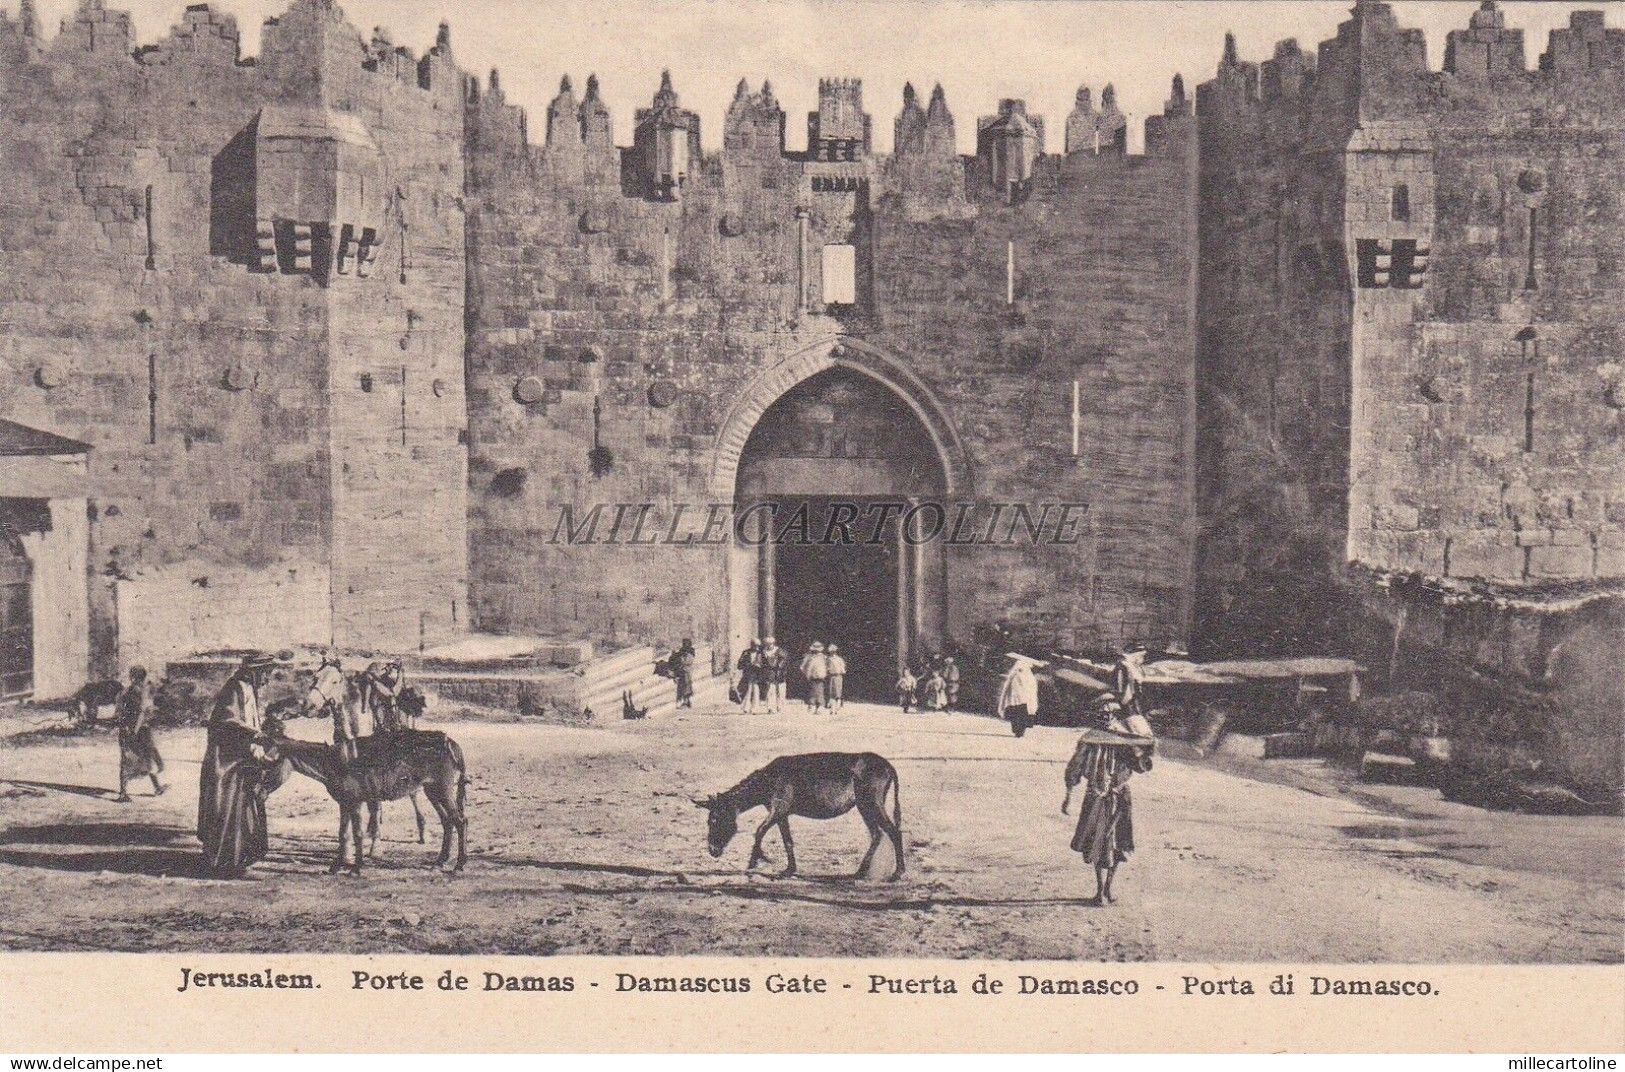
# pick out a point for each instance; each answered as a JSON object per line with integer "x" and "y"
{"x": 1018, "y": 694}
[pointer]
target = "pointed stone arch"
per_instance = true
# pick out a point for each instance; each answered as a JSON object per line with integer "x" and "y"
{"x": 842, "y": 352}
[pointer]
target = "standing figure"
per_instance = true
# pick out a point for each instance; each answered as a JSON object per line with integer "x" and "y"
{"x": 815, "y": 668}
{"x": 682, "y": 672}
{"x": 775, "y": 670}
{"x": 750, "y": 668}
{"x": 950, "y": 680}
{"x": 1018, "y": 694}
{"x": 835, "y": 665}
{"x": 1127, "y": 674}
{"x": 936, "y": 691}
{"x": 1105, "y": 760}
{"x": 137, "y": 751}
{"x": 907, "y": 683}
{"x": 236, "y": 778}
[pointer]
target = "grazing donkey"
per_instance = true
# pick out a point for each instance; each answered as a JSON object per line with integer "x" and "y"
{"x": 818, "y": 785}
{"x": 395, "y": 765}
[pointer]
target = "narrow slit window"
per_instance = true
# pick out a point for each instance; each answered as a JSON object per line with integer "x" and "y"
{"x": 840, "y": 275}
{"x": 152, "y": 241}
{"x": 1529, "y": 282}
{"x": 1400, "y": 209}
{"x": 152, "y": 398}
{"x": 1529, "y": 413}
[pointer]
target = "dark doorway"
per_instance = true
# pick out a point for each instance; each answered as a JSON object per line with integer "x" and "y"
{"x": 16, "y": 622}
{"x": 841, "y": 591}
{"x": 840, "y": 455}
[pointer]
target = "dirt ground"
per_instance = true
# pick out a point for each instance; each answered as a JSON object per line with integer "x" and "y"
{"x": 586, "y": 841}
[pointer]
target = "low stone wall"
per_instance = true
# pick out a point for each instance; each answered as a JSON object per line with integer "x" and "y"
{"x": 165, "y": 614}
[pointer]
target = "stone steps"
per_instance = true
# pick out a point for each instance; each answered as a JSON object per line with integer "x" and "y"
{"x": 603, "y": 687}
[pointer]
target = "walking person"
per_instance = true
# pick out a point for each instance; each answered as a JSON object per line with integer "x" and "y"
{"x": 682, "y": 672}
{"x": 235, "y": 778}
{"x": 1104, "y": 761}
{"x": 1018, "y": 694}
{"x": 834, "y": 683}
{"x": 749, "y": 666}
{"x": 907, "y": 685}
{"x": 775, "y": 670}
{"x": 137, "y": 751}
{"x": 815, "y": 668}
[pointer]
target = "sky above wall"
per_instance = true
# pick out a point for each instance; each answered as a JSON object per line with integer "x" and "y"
{"x": 1041, "y": 50}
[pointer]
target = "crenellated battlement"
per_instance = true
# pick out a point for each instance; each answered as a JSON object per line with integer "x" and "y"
{"x": 1376, "y": 68}
{"x": 309, "y": 49}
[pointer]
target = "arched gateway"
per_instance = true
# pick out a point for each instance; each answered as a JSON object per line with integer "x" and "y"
{"x": 824, "y": 456}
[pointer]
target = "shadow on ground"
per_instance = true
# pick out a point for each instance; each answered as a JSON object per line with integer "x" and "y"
{"x": 121, "y": 848}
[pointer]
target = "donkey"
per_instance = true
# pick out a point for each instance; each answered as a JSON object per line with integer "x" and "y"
{"x": 401, "y": 763}
{"x": 341, "y": 695}
{"x": 818, "y": 785}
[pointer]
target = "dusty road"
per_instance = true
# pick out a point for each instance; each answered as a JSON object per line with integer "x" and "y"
{"x": 585, "y": 841}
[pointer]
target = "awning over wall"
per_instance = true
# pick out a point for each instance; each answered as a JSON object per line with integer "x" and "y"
{"x": 40, "y": 465}
{"x": 19, "y": 440}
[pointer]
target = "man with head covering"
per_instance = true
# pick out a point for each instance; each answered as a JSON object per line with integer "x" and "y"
{"x": 1127, "y": 674}
{"x": 236, "y": 778}
{"x": 1018, "y": 694}
{"x": 137, "y": 751}
{"x": 815, "y": 668}
{"x": 775, "y": 669}
{"x": 682, "y": 672}
{"x": 835, "y": 683}
{"x": 1104, "y": 761}
{"x": 750, "y": 672}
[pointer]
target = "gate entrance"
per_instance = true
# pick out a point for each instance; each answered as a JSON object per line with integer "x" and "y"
{"x": 840, "y": 593}
{"x": 839, "y": 446}
{"x": 16, "y": 621}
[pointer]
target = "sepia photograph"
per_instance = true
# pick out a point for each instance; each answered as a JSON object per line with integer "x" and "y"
{"x": 971, "y": 481}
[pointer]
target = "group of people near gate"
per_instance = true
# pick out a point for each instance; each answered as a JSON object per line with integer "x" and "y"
{"x": 933, "y": 686}
{"x": 763, "y": 672}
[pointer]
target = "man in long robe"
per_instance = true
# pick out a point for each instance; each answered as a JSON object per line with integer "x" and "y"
{"x": 1104, "y": 761}
{"x": 682, "y": 672}
{"x": 236, "y": 778}
{"x": 1018, "y": 694}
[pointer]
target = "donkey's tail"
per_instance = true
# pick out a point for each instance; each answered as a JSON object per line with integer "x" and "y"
{"x": 896, "y": 799}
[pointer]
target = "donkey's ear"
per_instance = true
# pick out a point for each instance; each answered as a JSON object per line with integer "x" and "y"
{"x": 706, "y": 803}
